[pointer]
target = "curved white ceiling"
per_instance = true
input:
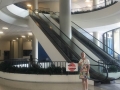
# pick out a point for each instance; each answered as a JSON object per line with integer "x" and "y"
{"x": 13, "y": 20}
{"x": 18, "y": 11}
{"x": 98, "y": 18}
{"x": 88, "y": 18}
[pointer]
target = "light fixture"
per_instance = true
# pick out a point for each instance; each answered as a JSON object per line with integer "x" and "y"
{"x": 23, "y": 36}
{"x": 17, "y": 38}
{"x": 36, "y": 12}
{"x": 4, "y": 27}
{"x": 1, "y": 32}
{"x": 29, "y": 5}
{"x": 14, "y": 40}
{"x": 30, "y": 33}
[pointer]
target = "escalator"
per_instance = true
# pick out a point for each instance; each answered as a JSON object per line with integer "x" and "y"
{"x": 110, "y": 62}
{"x": 68, "y": 49}
{"x": 89, "y": 42}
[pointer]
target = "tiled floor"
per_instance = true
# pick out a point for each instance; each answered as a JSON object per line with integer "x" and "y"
{"x": 14, "y": 85}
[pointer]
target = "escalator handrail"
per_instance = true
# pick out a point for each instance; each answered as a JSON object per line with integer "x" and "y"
{"x": 114, "y": 61}
{"x": 64, "y": 34}
{"x": 51, "y": 37}
{"x": 87, "y": 33}
{"x": 72, "y": 41}
{"x": 92, "y": 36}
{"x": 105, "y": 70}
{"x": 96, "y": 39}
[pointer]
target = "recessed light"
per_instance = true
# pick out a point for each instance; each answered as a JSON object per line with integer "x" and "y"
{"x": 17, "y": 38}
{"x": 14, "y": 40}
{"x": 23, "y": 36}
{"x": 29, "y": 5}
{"x": 1, "y": 32}
{"x": 4, "y": 27}
{"x": 29, "y": 33}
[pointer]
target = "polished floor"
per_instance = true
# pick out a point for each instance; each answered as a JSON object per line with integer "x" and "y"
{"x": 15, "y": 85}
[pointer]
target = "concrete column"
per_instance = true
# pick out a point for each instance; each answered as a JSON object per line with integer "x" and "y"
{"x": 95, "y": 40}
{"x": 65, "y": 17}
{"x": 95, "y": 2}
{"x": 20, "y": 48}
{"x": 35, "y": 4}
{"x": 34, "y": 47}
{"x": 11, "y": 49}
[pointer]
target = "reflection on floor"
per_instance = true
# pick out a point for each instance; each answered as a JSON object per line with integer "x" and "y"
{"x": 15, "y": 85}
{"x": 115, "y": 86}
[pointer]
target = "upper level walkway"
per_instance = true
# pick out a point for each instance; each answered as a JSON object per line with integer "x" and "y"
{"x": 107, "y": 18}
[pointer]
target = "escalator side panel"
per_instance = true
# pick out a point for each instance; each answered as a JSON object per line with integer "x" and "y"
{"x": 50, "y": 49}
{"x": 86, "y": 50}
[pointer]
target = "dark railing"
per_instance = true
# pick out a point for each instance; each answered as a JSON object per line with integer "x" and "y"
{"x": 59, "y": 43}
{"x": 93, "y": 8}
{"x": 76, "y": 10}
{"x": 48, "y": 68}
{"x": 100, "y": 45}
{"x": 110, "y": 67}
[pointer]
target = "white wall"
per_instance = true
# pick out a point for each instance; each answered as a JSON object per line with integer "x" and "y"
{"x": 43, "y": 78}
{"x": 4, "y": 46}
{"x": 27, "y": 45}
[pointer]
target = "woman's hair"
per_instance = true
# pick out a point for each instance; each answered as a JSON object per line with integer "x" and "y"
{"x": 82, "y": 53}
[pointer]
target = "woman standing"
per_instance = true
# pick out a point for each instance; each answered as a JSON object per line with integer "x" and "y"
{"x": 84, "y": 70}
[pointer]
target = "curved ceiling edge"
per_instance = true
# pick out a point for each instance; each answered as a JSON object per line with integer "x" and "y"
{"x": 18, "y": 11}
{"x": 12, "y": 20}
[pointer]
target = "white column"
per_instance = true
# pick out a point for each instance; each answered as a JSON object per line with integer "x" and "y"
{"x": 35, "y": 4}
{"x": 65, "y": 17}
{"x": 34, "y": 47}
{"x": 97, "y": 37}
{"x": 20, "y": 48}
{"x": 116, "y": 41}
{"x": 11, "y": 49}
{"x": 95, "y": 2}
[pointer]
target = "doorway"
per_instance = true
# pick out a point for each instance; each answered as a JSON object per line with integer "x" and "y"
{"x": 6, "y": 55}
